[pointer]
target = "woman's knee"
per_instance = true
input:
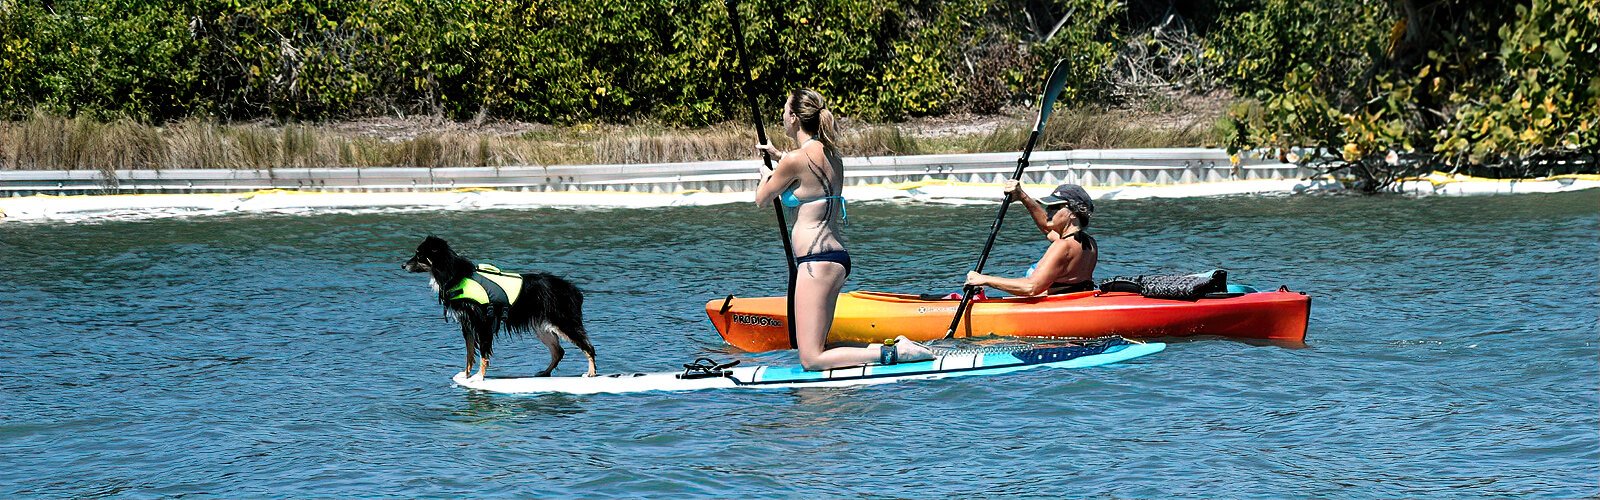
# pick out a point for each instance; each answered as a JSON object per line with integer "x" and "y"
{"x": 812, "y": 363}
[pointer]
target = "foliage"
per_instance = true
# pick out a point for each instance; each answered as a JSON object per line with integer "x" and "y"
{"x": 553, "y": 61}
{"x": 1378, "y": 89}
{"x": 1544, "y": 98}
{"x": 108, "y": 58}
{"x": 1084, "y": 41}
{"x": 1494, "y": 88}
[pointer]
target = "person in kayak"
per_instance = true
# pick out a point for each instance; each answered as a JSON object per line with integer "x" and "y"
{"x": 810, "y": 180}
{"x": 1068, "y": 265}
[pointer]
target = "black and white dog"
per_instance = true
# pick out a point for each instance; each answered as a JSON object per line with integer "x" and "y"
{"x": 487, "y": 302}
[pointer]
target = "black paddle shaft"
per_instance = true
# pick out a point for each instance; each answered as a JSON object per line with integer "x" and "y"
{"x": 994, "y": 231}
{"x": 761, "y": 137}
{"x": 1052, "y": 88}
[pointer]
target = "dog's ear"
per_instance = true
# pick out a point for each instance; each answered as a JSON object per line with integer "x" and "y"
{"x": 435, "y": 243}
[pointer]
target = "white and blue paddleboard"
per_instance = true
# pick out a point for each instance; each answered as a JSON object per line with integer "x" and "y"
{"x": 780, "y": 377}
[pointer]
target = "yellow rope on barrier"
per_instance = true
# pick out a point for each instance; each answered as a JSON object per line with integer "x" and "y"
{"x": 1438, "y": 178}
{"x": 1576, "y": 177}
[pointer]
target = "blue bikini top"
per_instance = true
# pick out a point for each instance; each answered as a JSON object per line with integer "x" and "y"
{"x": 789, "y": 199}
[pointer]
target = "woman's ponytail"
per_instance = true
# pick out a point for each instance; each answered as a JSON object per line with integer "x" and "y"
{"x": 815, "y": 118}
{"x": 827, "y": 131}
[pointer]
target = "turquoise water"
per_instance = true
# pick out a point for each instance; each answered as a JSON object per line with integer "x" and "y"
{"x": 1451, "y": 352}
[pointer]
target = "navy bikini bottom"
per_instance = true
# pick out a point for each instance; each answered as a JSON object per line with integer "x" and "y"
{"x": 840, "y": 256}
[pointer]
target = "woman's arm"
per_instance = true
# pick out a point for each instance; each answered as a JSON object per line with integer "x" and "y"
{"x": 1044, "y": 275}
{"x": 785, "y": 173}
{"x": 1034, "y": 209}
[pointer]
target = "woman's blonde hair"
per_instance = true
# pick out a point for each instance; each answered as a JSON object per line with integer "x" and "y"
{"x": 812, "y": 111}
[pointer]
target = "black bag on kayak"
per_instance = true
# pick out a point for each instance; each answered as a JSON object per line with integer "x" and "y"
{"x": 1167, "y": 286}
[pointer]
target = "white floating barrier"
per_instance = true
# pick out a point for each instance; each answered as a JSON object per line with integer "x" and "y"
{"x": 962, "y": 178}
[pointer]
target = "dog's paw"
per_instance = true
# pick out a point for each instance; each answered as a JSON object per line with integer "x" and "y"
{"x": 476, "y": 378}
{"x": 545, "y": 373}
{"x": 591, "y": 374}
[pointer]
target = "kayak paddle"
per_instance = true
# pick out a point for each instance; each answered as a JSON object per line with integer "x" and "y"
{"x": 761, "y": 137}
{"x": 1052, "y": 89}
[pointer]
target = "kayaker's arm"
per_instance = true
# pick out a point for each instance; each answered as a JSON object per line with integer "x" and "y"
{"x": 1044, "y": 274}
{"x": 1021, "y": 287}
{"x": 1035, "y": 211}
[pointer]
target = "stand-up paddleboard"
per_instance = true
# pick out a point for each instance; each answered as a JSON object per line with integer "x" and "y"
{"x": 706, "y": 376}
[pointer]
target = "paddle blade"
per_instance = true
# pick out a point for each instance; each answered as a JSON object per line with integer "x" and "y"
{"x": 1052, "y": 90}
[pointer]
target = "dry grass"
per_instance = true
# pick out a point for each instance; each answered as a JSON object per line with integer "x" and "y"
{"x": 48, "y": 142}
{"x": 880, "y": 140}
{"x": 654, "y": 144}
{"x": 1085, "y": 129}
{"x": 1089, "y": 129}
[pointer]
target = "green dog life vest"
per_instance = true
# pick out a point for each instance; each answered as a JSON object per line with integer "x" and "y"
{"x": 488, "y": 286}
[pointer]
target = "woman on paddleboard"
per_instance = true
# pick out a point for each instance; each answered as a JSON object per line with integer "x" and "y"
{"x": 1068, "y": 265}
{"x": 810, "y": 181}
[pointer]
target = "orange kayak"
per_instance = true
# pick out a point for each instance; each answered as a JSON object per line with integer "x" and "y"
{"x": 760, "y": 323}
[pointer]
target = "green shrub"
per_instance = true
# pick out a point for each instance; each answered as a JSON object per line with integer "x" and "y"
{"x": 555, "y": 61}
{"x": 1087, "y": 45}
{"x": 1496, "y": 89}
{"x": 1379, "y": 89}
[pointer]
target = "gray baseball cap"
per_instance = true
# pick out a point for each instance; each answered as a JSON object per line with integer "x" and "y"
{"x": 1068, "y": 193}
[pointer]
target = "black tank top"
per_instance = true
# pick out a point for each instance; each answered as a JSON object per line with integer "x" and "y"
{"x": 1087, "y": 242}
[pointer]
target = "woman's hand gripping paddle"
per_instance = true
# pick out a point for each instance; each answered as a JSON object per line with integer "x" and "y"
{"x": 1052, "y": 89}
{"x": 761, "y": 137}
